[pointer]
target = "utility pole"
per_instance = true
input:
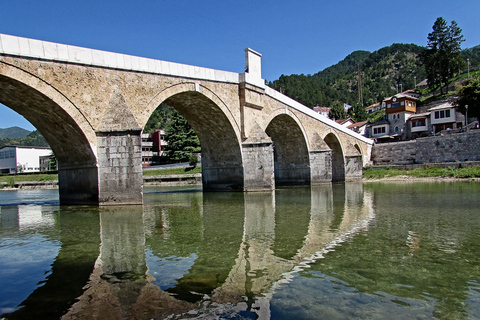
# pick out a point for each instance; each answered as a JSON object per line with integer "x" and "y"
{"x": 359, "y": 83}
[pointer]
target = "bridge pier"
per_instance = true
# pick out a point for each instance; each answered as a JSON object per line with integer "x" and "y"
{"x": 120, "y": 176}
{"x": 221, "y": 178}
{"x": 320, "y": 167}
{"x": 258, "y": 167}
{"x": 353, "y": 168}
{"x": 78, "y": 185}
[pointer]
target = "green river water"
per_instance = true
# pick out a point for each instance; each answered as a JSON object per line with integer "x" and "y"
{"x": 407, "y": 250}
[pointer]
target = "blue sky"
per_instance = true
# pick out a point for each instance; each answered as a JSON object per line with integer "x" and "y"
{"x": 293, "y": 36}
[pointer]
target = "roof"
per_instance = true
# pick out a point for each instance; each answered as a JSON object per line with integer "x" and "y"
{"x": 373, "y": 106}
{"x": 380, "y": 122}
{"x": 26, "y": 147}
{"x": 420, "y": 115}
{"x": 423, "y": 83}
{"x": 342, "y": 121}
{"x": 443, "y": 106}
{"x": 400, "y": 95}
{"x": 358, "y": 124}
{"x": 324, "y": 109}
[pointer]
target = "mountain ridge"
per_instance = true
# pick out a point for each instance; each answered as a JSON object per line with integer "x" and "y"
{"x": 381, "y": 73}
{"x": 13, "y": 132}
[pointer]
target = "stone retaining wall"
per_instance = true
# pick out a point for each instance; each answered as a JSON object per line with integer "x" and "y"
{"x": 448, "y": 148}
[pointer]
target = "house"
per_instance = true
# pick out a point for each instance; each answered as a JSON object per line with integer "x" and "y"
{"x": 412, "y": 93}
{"x": 380, "y": 130}
{"x": 345, "y": 122}
{"x": 152, "y": 147}
{"x": 418, "y": 125}
{"x": 324, "y": 111}
{"x": 374, "y": 107}
{"x": 423, "y": 84}
{"x": 439, "y": 117}
{"x": 359, "y": 127}
{"x": 16, "y": 159}
{"x": 445, "y": 117}
{"x": 399, "y": 108}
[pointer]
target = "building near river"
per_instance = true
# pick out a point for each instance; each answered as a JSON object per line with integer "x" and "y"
{"x": 152, "y": 147}
{"x": 20, "y": 159}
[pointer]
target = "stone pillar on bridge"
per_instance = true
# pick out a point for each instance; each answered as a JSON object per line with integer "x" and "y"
{"x": 257, "y": 147}
{"x": 320, "y": 167}
{"x": 320, "y": 157}
{"x": 119, "y": 155}
{"x": 353, "y": 168}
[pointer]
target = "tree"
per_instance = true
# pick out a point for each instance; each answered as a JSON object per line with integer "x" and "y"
{"x": 337, "y": 111}
{"x": 358, "y": 113}
{"x": 469, "y": 95}
{"x": 181, "y": 138}
{"x": 159, "y": 118}
{"x": 442, "y": 56}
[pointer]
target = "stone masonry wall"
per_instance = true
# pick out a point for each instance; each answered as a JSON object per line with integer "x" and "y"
{"x": 449, "y": 148}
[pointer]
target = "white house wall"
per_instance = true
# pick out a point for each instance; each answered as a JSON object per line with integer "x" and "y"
{"x": 29, "y": 158}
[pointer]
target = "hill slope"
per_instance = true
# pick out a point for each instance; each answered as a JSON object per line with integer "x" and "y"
{"x": 13, "y": 132}
{"x": 382, "y": 73}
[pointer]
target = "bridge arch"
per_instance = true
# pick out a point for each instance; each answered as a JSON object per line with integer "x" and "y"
{"x": 67, "y": 131}
{"x": 291, "y": 156}
{"x": 338, "y": 157}
{"x": 222, "y": 165}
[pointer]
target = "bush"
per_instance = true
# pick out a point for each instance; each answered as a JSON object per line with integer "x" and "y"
{"x": 193, "y": 160}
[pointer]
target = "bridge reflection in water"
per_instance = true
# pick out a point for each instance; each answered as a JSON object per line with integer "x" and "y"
{"x": 195, "y": 254}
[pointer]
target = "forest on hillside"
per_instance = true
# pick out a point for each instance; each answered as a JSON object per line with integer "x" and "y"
{"x": 34, "y": 138}
{"x": 381, "y": 73}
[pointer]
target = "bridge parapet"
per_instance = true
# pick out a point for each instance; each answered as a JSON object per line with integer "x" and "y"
{"x": 44, "y": 50}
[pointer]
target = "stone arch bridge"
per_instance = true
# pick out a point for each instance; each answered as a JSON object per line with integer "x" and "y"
{"x": 91, "y": 107}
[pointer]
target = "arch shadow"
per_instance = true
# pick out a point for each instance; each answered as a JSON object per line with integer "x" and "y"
{"x": 338, "y": 159}
{"x": 50, "y": 112}
{"x": 222, "y": 165}
{"x": 291, "y": 159}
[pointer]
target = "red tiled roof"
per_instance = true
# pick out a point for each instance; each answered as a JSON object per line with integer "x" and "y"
{"x": 357, "y": 124}
{"x": 373, "y": 106}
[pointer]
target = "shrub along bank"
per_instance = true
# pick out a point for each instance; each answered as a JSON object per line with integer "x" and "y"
{"x": 424, "y": 172}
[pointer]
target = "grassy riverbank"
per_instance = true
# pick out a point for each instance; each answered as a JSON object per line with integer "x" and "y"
{"x": 11, "y": 180}
{"x": 368, "y": 174}
{"x": 426, "y": 172}
{"x": 162, "y": 172}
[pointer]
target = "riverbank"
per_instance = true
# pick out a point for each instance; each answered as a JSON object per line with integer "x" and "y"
{"x": 431, "y": 172}
{"x": 169, "y": 177}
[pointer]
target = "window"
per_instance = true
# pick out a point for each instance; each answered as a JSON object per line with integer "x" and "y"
{"x": 389, "y": 105}
{"x": 378, "y": 130}
{"x": 418, "y": 123}
{"x": 394, "y": 116}
{"x": 402, "y": 103}
{"x": 396, "y": 129}
{"x": 396, "y": 104}
{"x": 442, "y": 114}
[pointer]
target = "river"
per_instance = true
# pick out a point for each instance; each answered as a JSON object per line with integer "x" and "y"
{"x": 405, "y": 250}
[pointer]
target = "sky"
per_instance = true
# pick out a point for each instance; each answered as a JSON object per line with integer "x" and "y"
{"x": 294, "y": 37}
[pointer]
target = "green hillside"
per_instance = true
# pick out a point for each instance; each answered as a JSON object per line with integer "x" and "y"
{"x": 381, "y": 73}
{"x": 13, "y": 132}
{"x": 33, "y": 138}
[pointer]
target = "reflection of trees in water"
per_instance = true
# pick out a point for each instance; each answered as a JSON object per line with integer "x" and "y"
{"x": 244, "y": 244}
{"x": 71, "y": 268}
{"x": 430, "y": 254}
